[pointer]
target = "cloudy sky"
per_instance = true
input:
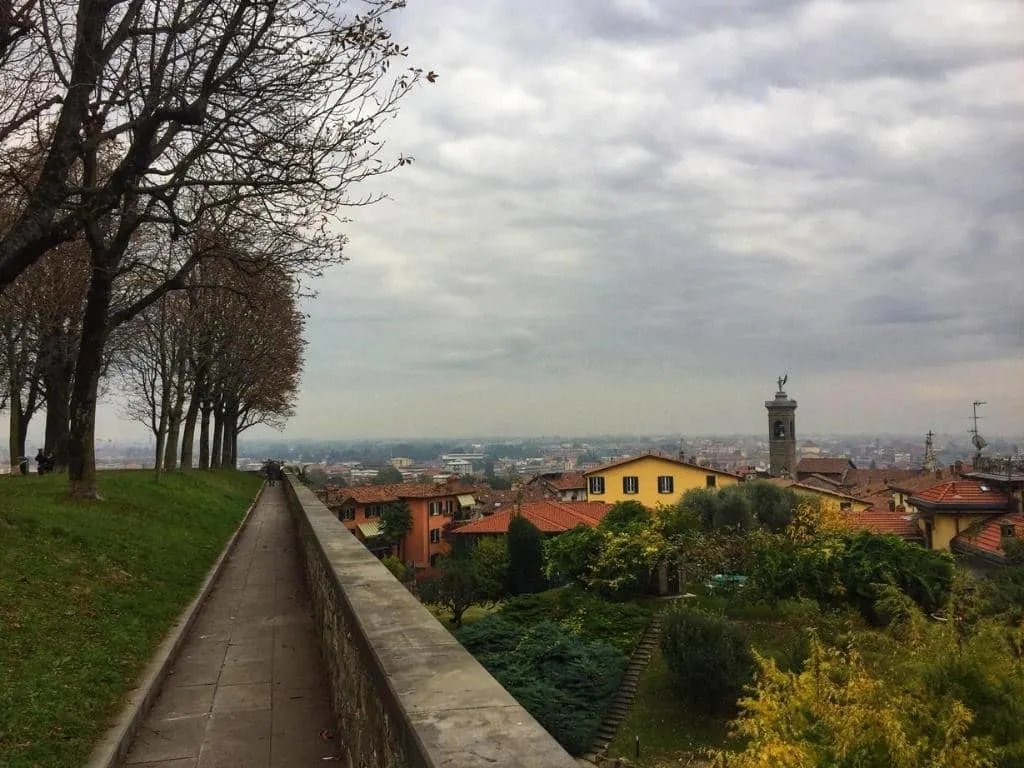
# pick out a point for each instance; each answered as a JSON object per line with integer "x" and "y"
{"x": 633, "y": 215}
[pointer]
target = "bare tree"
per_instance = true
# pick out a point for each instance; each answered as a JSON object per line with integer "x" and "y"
{"x": 149, "y": 367}
{"x": 237, "y": 116}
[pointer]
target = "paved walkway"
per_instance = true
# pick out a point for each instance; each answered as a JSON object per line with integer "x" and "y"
{"x": 248, "y": 690}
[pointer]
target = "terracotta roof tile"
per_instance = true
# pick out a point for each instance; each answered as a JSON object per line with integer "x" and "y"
{"x": 655, "y": 455}
{"x": 988, "y": 537}
{"x": 373, "y": 494}
{"x": 957, "y": 494}
{"x": 830, "y": 490}
{"x": 820, "y": 481}
{"x": 568, "y": 482}
{"x": 548, "y": 516}
{"x": 826, "y": 466}
{"x": 885, "y": 520}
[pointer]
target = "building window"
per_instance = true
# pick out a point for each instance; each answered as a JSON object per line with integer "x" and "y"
{"x": 780, "y": 430}
{"x": 666, "y": 484}
{"x": 711, "y": 481}
{"x": 449, "y": 508}
{"x": 597, "y": 485}
{"x": 434, "y": 508}
{"x": 1007, "y": 531}
{"x": 435, "y": 535}
{"x": 372, "y": 510}
{"x": 347, "y": 514}
{"x": 631, "y": 484}
{"x": 845, "y": 506}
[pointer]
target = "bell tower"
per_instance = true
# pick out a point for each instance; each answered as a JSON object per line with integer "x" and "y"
{"x": 781, "y": 432}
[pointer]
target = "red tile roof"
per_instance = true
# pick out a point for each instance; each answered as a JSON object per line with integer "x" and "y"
{"x": 655, "y": 455}
{"x": 570, "y": 481}
{"x": 885, "y": 520}
{"x": 548, "y": 516}
{"x": 820, "y": 481}
{"x": 829, "y": 466}
{"x": 961, "y": 494}
{"x": 830, "y": 490}
{"x": 373, "y": 494}
{"x": 988, "y": 537}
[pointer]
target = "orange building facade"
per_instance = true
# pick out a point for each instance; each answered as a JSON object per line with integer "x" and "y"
{"x": 434, "y": 507}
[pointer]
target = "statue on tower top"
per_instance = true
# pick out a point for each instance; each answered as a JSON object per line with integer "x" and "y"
{"x": 782, "y": 381}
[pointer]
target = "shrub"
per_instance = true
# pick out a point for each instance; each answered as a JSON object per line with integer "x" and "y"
{"x": 834, "y": 569}
{"x": 987, "y": 676}
{"x": 525, "y": 557}
{"x": 565, "y": 683}
{"x": 397, "y": 568}
{"x": 709, "y": 659}
{"x": 1003, "y": 593}
{"x": 834, "y": 713}
{"x": 492, "y": 635}
{"x": 582, "y": 615}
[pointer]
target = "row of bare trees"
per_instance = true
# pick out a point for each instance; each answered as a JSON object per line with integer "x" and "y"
{"x": 218, "y": 358}
{"x": 153, "y": 143}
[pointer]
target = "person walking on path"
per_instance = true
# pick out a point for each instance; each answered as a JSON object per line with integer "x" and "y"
{"x": 273, "y": 473}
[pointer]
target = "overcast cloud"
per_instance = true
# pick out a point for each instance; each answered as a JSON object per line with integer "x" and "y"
{"x": 631, "y": 216}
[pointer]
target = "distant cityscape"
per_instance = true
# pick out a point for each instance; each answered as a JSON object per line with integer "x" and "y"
{"x": 360, "y": 460}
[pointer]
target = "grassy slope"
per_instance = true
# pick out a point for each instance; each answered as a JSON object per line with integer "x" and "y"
{"x": 87, "y": 592}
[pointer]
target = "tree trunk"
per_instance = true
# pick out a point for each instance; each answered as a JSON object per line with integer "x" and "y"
{"x": 218, "y": 434}
{"x": 81, "y": 445}
{"x": 188, "y": 432}
{"x": 204, "y": 434}
{"x": 174, "y": 425}
{"x": 230, "y": 433}
{"x": 14, "y": 408}
{"x": 27, "y": 412}
{"x": 58, "y": 391}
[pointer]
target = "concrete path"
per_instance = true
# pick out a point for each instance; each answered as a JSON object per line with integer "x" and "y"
{"x": 249, "y": 688}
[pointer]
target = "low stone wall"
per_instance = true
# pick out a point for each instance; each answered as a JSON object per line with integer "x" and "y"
{"x": 405, "y": 693}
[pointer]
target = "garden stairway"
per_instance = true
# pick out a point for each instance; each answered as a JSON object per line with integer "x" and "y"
{"x": 619, "y": 707}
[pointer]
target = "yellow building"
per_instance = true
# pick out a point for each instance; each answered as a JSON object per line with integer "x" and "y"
{"x": 947, "y": 510}
{"x": 652, "y": 480}
{"x": 836, "y": 501}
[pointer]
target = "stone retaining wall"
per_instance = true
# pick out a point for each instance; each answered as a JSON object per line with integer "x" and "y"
{"x": 405, "y": 693}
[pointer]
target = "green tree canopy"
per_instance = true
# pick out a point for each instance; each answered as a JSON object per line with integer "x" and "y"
{"x": 388, "y": 475}
{"x": 490, "y": 558}
{"x": 626, "y": 515}
{"x": 733, "y": 510}
{"x": 526, "y": 557}
{"x": 395, "y": 522}
{"x": 569, "y": 556}
{"x": 627, "y": 561}
{"x": 458, "y": 587}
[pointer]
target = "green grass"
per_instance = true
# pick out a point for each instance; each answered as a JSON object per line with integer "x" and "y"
{"x": 670, "y": 732}
{"x": 87, "y": 592}
{"x": 473, "y": 613}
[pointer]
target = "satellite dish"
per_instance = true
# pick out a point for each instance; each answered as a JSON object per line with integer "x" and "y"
{"x": 978, "y": 441}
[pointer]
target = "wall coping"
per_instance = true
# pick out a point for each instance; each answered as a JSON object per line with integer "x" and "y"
{"x": 453, "y": 712}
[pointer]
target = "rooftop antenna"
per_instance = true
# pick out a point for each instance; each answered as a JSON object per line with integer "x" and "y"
{"x": 977, "y": 440}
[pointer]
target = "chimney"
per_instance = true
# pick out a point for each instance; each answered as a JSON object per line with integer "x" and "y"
{"x": 938, "y": 474}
